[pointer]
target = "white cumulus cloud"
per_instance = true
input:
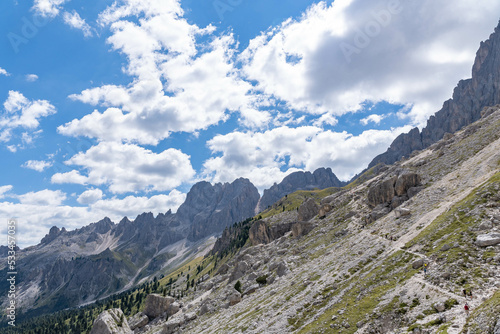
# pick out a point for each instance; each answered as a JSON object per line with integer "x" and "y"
{"x": 131, "y": 206}
{"x": 31, "y": 77}
{"x": 267, "y": 157}
{"x": 179, "y": 84}
{"x": 48, "y": 8}
{"x": 74, "y": 20}
{"x": 90, "y": 196}
{"x": 5, "y": 189}
{"x": 129, "y": 168}
{"x": 340, "y": 54}
{"x": 43, "y": 198}
{"x": 22, "y": 113}
{"x": 374, "y": 118}
{"x": 38, "y": 165}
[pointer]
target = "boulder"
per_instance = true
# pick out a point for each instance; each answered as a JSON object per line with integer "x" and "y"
{"x": 395, "y": 190}
{"x": 302, "y": 228}
{"x": 279, "y": 230}
{"x": 240, "y": 269}
{"x": 262, "y": 233}
{"x": 172, "y": 325}
{"x": 402, "y": 212}
{"x": 325, "y": 208}
{"x": 378, "y": 212}
{"x": 418, "y": 263}
{"x": 206, "y": 308}
{"x": 485, "y": 225}
{"x": 282, "y": 269}
{"x": 251, "y": 277}
{"x": 382, "y": 192}
{"x": 405, "y": 182}
{"x": 156, "y": 305}
{"x": 174, "y": 308}
{"x": 139, "y": 320}
{"x": 256, "y": 265}
{"x": 341, "y": 233}
{"x": 190, "y": 316}
{"x": 446, "y": 247}
{"x": 234, "y": 298}
{"x": 223, "y": 269}
{"x": 485, "y": 240}
{"x": 259, "y": 233}
{"x": 308, "y": 210}
{"x": 497, "y": 327}
{"x": 439, "y": 307}
{"x": 111, "y": 321}
{"x": 413, "y": 191}
{"x": 207, "y": 285}
{"x": 251, "y": 289}
{"x": 397, "y": 201}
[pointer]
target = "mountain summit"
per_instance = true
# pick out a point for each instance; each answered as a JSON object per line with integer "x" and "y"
{"x": 321, "y": 178}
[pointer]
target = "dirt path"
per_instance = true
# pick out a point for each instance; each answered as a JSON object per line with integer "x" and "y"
{"x": 456, "y": 315}
{"x": 475, "y": 171}
{"x": 421, "y": 279}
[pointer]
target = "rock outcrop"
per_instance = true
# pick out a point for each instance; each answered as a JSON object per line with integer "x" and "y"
{"x": 262, "y": 233}
{"x": 389, "y": 194}
{"x": 157, "y": 305}
{"x": 111, "y": 322}
{"x": 485, "y": 240}
{"x": 382, "y": 193}
{"x": 393, "y": 190}
{"x": 302, "y": 228}
{"x": 53, "y": 234}
{"x": 469, "y": 99}
{"x": 308, "y": 210}
{"x": 321, "y": 178}
{"x": 139, "y": 320}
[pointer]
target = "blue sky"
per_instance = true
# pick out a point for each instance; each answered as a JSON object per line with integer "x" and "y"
{"x": 113, "y": 108}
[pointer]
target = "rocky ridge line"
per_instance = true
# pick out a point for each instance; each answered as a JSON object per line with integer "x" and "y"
{"x": 470, "y": 97}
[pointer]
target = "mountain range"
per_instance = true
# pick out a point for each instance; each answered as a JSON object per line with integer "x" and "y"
{"x": 71, "y": 268}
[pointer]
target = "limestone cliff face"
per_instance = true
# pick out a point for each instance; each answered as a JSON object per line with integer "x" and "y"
{"x": 210, "y": 209}
{"x": 469, "y": 98}
{"x": 321, "y": 178}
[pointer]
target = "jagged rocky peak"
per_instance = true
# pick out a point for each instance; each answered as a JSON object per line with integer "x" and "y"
{"x": 211, "y": 208}
{"x": 53, "y": 234}
{"x": 144, "y": 218}
{"x": 103, "y": 226}
{"x": 321, "y": 178}
{"x": 470, "y": 97}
